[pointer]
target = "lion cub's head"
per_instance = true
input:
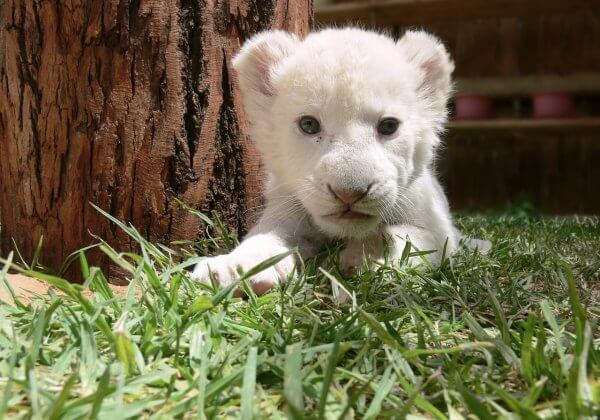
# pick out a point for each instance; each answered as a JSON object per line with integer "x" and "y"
{"x": 345, "y": 119}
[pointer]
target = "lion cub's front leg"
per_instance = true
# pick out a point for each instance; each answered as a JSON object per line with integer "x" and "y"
{"x": 393, "y": 240}
{"x": 227, "y": 269}
{"x": 267, "y": 239}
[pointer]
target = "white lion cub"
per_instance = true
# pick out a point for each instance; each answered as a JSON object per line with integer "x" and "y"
{"x": 347, "y": 122}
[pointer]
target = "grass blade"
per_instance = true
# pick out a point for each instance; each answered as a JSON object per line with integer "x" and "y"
{"x": 55, "y": 411}
{"x": 248, "y": 385}
{"x": 292, "y": 382}
{"x": 328, "y": 377}
{"x": 383, "y": 389}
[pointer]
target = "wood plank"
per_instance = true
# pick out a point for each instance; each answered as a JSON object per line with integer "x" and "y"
{"x": 591, "y": 124}
{"x": 585, "y": 83}
{"x": 418, "y": 12}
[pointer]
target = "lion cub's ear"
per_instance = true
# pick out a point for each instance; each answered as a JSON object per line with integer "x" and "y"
{"x": 257, "y": 60}
{"x": 431, "y": 56}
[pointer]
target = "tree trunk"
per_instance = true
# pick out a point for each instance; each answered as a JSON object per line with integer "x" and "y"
{"x": 128, "y": 104}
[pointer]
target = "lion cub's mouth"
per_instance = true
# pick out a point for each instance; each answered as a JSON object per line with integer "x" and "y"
{"x": 350, "y": 214}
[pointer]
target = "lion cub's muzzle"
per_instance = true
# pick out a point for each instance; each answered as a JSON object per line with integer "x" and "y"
{"x": 349, "y": 198}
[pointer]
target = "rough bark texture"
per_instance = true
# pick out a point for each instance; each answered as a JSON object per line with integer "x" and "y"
{"x": 126, "y": 104}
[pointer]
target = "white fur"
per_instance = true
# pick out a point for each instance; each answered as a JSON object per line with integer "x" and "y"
{"x": 348, "y": 79}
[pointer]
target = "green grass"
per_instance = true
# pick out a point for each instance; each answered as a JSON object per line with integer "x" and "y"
{"x": 512, "y": 334}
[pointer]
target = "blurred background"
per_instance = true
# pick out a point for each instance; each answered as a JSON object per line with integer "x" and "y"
{"x": 132, "y": 106}
{"x": 525, "y": 125}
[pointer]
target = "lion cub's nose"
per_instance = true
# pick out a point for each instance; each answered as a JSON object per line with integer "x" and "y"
{"x": 349, "y": 195}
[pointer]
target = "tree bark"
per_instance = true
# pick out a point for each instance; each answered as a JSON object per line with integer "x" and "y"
{"x": 127, "y": 104}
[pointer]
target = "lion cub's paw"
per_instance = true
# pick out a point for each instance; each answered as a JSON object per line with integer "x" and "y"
{"x": 227, "y": 269}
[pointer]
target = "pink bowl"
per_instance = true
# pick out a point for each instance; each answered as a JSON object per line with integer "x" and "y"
{"x": 472, "y": 107}
{"x": 552, "y": 105}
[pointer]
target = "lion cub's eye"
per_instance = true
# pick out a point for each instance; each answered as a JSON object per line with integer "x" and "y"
{"x": 388, "y": 126}
{"x": 309, "y": 125}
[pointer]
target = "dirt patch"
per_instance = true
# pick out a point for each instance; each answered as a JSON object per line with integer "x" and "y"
{"x": 26, "y": 288}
